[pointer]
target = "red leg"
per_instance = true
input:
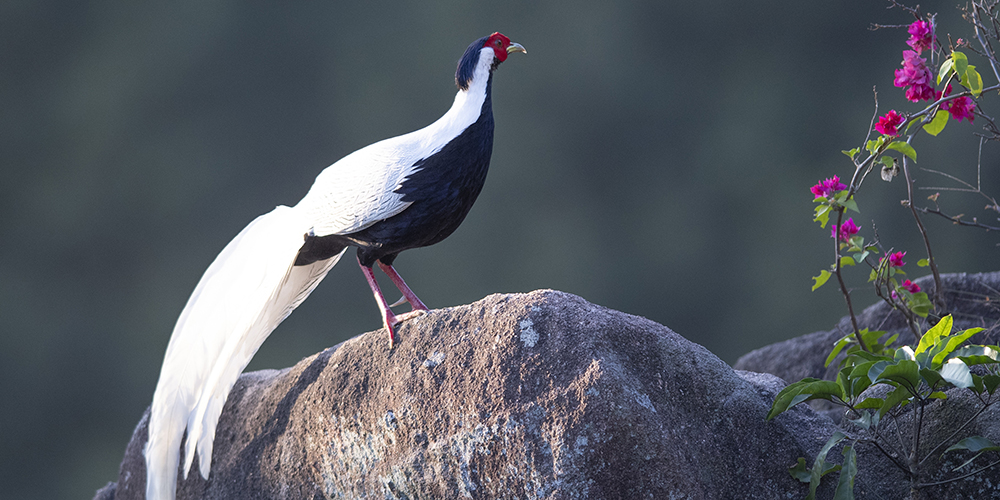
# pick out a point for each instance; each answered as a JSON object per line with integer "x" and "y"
{"x": 388, "y": 318}
{"x": 397, "y": 280}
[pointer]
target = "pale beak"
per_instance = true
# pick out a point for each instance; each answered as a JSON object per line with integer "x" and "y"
{"x": 515, "y": 47}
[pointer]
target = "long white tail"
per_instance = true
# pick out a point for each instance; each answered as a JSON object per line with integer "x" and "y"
{"x": 247, "y": 291}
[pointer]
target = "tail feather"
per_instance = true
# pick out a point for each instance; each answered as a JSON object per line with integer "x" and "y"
{"x": 245, "y": 293}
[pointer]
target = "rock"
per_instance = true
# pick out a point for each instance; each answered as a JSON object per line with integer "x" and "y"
{"x": 972, "y": 299}
{"x": 106, "y": 493}
{"x": 538, "y": 395}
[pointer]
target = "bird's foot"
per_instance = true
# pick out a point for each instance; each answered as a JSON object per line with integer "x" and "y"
{"x": 390, "y": 320}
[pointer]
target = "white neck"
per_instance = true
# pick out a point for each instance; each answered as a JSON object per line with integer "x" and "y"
{"x": 468, "y": 103}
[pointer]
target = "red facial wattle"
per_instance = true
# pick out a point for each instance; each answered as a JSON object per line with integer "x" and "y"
{"x": 500, "y": 44}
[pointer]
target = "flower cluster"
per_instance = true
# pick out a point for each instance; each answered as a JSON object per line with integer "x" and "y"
{"x": 959, "y": 107}
{"x": 910, "y": 286}
{"x": 889, "y": 124}
{"x": 921, "y": 36}
{"x": 907, "y": 285}
{"x": 917, "y": 77}
{"x": 823, "y": 189}
{"x": 847, "y": 229}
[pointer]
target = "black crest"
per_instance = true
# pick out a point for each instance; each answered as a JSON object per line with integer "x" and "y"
{"x": 467, "y": 64}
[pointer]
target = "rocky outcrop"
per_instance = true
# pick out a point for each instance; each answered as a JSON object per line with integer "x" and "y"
{"x": 538, "y": 395}
{"x": 544, "y": 395}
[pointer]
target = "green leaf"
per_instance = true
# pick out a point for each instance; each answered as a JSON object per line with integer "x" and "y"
{"x": 845, "y": 485}
{"x": 937, "y": 395}
{"x": 861, "y": 370}
{"x": 961, "y": 63}
{"x": 929, "y": 339}
{"x": 819, "y": 280}
{"x": 957, "y": 373}
{"x": 923, "y": 263}
{"x": 850, "y": 204}
{"x": 931, "y": 377}
{"x": 860, "y": 257}
{"x": 870, "y": 404}
{"x": 920, "y": 304}
{"x": 904, "y": 373}
{"x": 893, "y": 399}
{"x": 875, "y": 371}
{"x": 991, "y": 382}
{"x": 953, "y": 342}
{"x": 904, "y": 148}
{"x": 977, "y": 355}
{"x": 974, "y": 81}
{"x": 974, "y": 444}
{"x": 875, "y": 144}
{"x": 937, "y": 124}
{"x": 853, "y": 381}
{"x": 846, "y": 261}
{"x": 820, "y": 467}
{"x": 837, "y": 347}
{"x": 868, "y": 419}
{"x": 805, "y": 390}
{"x": 800, "y": 471}
{"x": 852, "y": 153}
{"x": 946, "y": 68}
{"x": 867, "y": 356}
{"x": 822, "y": 215}
{"x": 891, "y": 339}
{"x": 870, "y": 338}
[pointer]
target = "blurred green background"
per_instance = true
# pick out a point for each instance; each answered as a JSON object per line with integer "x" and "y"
{"x": 653, "y": 157}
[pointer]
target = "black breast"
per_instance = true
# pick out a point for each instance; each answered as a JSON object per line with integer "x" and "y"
{"x": 442, "y": 192}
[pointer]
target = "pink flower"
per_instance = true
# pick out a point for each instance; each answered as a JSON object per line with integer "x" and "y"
{"x": 827, "y": 187}
{"x": 960, "y": 107}
{"x": 848, "y": 229}
{"x": 921, "y": 35}
{"x": 907, "y": 285}
{"x": 915, "y": 74}
{"x": 896, "y": 259}
{"x": 887, "y": 124}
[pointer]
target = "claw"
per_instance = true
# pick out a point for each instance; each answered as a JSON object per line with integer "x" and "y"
{"x": 402, "y": 300}
{"x": 392, "y": 337}
{"x": 409, "y": 315}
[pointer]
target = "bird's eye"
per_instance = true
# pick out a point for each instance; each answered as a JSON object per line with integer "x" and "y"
{"x": 498, "y": 42}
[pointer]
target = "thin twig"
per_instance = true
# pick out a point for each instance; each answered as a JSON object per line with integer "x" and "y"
{"x": 955, "y": 433}
{"x": 956, "y": 219}
{"x": 959, "y": 478}
{"x": 938, "y": 293}
{"x": 979, "y": 36}
{"x": 888, "y": 455}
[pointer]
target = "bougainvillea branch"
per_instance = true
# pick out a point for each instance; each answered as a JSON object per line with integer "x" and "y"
{"x": 916, "y": 375}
